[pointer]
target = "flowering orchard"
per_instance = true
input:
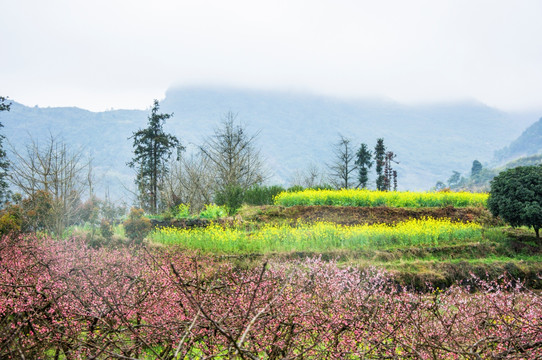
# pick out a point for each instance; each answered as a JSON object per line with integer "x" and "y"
{"x": 362, "y": 197}
{"x": 62, "y": 300}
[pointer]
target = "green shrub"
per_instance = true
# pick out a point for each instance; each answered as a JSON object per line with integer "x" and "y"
{"x": 262, "y": 195}
{"x": 231, "y": 197}
{"x": 106, "y": 229}
{"x": 295, "y": 188}
{"x": 38, "y": 211}
{"x": 323, "y": 187}
{"x": 182, "y": 211}
{"x": 95, "y": 241}
{"x": 137, "y": 226}
{"x": 11, "y": 220}
{"x": 212, "y": 212}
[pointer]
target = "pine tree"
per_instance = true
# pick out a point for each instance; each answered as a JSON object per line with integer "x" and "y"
{"x": 152, "y": 147}
{"x": 380, "y": 154}
{"x": 4, "y": 163}
{"x": 364, "y": 163}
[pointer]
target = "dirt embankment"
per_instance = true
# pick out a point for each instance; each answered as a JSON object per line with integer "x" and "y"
{"x": 351, "y": 215}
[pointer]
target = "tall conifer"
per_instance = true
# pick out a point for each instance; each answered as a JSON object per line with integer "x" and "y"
{"x": 364, "y": 163}
{"x": 152, "y": 147}
{"x": 380, "y": 154}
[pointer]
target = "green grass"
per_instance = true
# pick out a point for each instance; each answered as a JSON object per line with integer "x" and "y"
{"x": 77, "y": 230}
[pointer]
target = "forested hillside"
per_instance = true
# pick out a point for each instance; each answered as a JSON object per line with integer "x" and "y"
{"x": 529, "y": 143}
{"x": 295, "y": 131}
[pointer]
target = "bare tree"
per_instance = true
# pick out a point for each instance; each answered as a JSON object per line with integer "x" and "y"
{"x": 232, "y": 156}
{"x": 343, "y": 167}
{"x": 52, "y": 167}
{"x": 190, "y": 181}
{"x": 309, "y": 177}
{"x": 225, "y": 161}
{"x": 390, "y": 175}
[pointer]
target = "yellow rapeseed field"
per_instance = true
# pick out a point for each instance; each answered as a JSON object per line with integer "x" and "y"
{"x": 361, "y": 197}
{"x": 320, "y": 236}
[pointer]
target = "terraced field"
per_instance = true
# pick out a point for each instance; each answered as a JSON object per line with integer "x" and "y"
{"x": 422, "y": 245}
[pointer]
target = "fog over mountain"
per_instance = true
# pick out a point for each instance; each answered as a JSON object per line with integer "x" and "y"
{"x": 295, "y": 130}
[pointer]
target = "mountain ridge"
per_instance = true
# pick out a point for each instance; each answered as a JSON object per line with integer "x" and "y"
{"x": 527, "y": 144}
{"x": 295, "y": 130}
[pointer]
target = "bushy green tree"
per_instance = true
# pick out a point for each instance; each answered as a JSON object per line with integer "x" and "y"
{"x": 364, "y": 163}
{"x": 152, "y": 148}
{"x": 516, "y": 196}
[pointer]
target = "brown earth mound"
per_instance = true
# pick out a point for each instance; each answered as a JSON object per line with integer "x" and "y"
{"x": 351, "y": 215}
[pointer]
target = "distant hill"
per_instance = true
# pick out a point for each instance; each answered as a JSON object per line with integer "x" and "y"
{"x": 102, "y": 135}
{"x": 528, "y": 143}
{"x": 526, "y": 150}
{"x": 295, "y": 131}
{"x": 482, "y": 181}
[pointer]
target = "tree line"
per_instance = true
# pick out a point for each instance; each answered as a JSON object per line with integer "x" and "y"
{"x": 228, "y": 163}
{"x": 55, "y": 187}
{"x": 350, "y": 167}
{"x": 53, "y": 179}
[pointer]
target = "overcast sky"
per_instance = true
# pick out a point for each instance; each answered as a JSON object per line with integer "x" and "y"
{"x": 104, "y": 54}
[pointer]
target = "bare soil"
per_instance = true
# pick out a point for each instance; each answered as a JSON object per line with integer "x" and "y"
{"x": 351, "y": 215}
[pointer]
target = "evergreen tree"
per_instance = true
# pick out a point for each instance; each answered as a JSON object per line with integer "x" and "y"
{"x": 152, "y": 147}
{"x": 454, "y": 180}
{"x": 380, "y": 154}
{"x": 476, "y": 168}
{"x": 364, "y": 163}
{"x": 4, "y": 163}
{"x": 4, "y": 105}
